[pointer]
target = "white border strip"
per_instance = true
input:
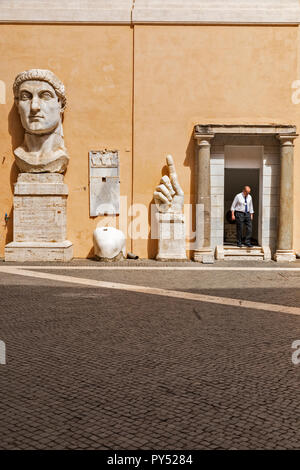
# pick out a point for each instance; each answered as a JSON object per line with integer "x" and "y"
{"x": 275, "y": 308}
{"x": 150, "y": 268}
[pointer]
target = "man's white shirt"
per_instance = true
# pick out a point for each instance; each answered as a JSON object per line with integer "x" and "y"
{"x": 239, "y": 203}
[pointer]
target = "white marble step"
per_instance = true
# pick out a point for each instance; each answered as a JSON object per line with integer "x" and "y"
{"x": 230, "y": 252}
{"x": 236, "y": 251}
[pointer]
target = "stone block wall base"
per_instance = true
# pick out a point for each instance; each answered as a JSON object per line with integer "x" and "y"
{"x": 220, "y": 252}
{"x": 204, "y": 255}
{"x": 170, "y": 257}
{"x": 285, "y": 255}
{"x": 267, "y": 253}
{"x": 35, "y": 251}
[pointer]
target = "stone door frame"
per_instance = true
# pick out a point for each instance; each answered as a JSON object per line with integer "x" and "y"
{"x": 276, "y": 177}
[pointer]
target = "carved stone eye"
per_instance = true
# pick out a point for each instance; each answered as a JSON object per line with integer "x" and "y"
{"x": 25, "y": 95}
{"x": 46, "y": 95}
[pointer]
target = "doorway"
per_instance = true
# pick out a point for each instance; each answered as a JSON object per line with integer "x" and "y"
{"x": 234, "y": 181}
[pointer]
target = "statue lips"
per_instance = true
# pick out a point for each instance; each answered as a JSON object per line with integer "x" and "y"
{"x": 35, "y": 118}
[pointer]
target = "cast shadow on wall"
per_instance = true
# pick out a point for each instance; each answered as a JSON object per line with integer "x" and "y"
{"x": 191, "y": 197}
{"x": 16, "y": 132}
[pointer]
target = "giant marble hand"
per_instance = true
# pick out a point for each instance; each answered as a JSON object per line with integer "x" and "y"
{"x": 40, "y": 99}
{"x": 168, "y": 195}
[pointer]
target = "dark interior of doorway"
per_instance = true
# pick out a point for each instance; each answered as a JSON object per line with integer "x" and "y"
{"x": 235, "y": 180}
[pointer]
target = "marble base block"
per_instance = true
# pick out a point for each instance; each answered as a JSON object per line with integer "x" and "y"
{"x": 171, "y": 243}
{"x": 285, "y": 255}
{"x": 204, "y": 255}
{"x": 30, "y": 251}
{"x": 39, "y": 219}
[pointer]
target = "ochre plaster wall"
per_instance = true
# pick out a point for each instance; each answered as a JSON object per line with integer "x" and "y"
{"x": 186, "y": 75}
{"x": 181, "y": 76}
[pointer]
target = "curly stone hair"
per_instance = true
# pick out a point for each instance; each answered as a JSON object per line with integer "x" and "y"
{"x": 45, "y": 76}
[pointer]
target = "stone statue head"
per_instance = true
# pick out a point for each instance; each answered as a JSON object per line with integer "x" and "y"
{"x": 40, "y": 99}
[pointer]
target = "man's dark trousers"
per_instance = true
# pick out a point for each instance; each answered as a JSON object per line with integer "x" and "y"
{"x": 242, "y": 218}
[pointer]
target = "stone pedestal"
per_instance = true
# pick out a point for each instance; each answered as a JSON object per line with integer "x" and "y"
{"x": 285, "y": 255}
{"x": 204, "y": 255}
{"x": 171, "y": 242}
{"x": 203, "y": 251}
{"x": 39, "y": 219}
{"x": 284, "y": 251}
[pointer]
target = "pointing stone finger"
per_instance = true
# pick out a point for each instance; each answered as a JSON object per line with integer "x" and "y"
{"x": 171, "y": 165}
{"x": 173, "y": 175}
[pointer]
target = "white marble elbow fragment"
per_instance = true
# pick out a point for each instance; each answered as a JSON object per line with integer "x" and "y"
{"x": 109, "y": 243}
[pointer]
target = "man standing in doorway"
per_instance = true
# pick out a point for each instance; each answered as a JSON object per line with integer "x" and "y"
{"x": 242, "y": 212}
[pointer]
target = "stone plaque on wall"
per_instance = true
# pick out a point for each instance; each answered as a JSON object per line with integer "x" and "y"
{"x": 104, "y": 182}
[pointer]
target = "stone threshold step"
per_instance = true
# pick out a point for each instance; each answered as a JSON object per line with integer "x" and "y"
{"x": 242, "y": 252}
{"x": 234, "y": 252}
{"x": 234, "y": 247}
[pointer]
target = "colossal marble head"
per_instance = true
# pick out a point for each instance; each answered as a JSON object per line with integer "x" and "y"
{"x": 40, "y": 99}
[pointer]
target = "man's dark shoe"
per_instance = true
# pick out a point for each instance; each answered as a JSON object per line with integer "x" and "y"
{"x": 239, "y": 245}
{"x": 249, "y": 246}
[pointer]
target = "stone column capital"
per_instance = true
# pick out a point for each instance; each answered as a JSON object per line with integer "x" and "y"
{"x": 286, "y": 139}
{"x": 203, "y": 140}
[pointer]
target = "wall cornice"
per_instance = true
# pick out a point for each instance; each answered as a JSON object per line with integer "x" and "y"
{"x": 151, "y": 11}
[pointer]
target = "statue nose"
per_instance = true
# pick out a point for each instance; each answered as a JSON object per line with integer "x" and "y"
{"x": 35, "y": 104}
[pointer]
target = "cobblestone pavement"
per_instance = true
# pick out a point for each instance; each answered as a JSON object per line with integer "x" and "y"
{"x": 93, "y": 368}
